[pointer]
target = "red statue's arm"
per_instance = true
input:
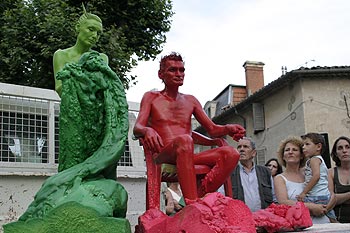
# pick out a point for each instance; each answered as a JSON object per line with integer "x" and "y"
{"x": 140, "y": 127}
{"x": 151, "y": 138}
{"x": 206, "y": 141}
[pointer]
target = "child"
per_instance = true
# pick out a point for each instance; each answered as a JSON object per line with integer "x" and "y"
{"x": 316, "y": 174}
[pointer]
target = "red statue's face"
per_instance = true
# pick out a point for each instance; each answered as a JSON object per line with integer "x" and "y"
{"x": 173, "y": 73}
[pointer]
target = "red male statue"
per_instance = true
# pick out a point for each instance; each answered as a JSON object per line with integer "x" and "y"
{"x": 164, "y": 123}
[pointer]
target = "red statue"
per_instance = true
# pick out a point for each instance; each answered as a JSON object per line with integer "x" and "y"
{"x": 164, "y": 123}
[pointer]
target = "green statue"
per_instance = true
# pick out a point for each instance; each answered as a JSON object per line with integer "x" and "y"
{"x": 93, "y": 131}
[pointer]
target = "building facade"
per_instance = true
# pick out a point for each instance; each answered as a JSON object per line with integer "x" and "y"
{"x": 305, "y": 100}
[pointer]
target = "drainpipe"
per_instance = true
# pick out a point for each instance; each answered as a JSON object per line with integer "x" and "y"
{"x": 242, "y": 117}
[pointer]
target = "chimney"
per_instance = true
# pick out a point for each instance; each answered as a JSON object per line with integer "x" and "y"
{"x": 254, "y": 75}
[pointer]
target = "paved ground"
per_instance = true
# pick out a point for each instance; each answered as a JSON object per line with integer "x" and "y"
{"x": 318, "y": 228}
{"x": 330, "y": 227}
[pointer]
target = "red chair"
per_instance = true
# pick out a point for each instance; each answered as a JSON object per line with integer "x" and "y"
{"x": 155, "y": 175}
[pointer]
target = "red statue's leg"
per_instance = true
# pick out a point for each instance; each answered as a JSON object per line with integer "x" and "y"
{"x": 222, "y": 160}
{"x": 180, "y": 152}
{"x": 183, "y": 146}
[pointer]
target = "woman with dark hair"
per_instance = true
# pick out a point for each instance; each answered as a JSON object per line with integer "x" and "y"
{"x": 339, "y": 178}
{"x": 274, "y": 166}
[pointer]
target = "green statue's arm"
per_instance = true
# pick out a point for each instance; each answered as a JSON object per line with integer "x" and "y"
{"x": 60, "y": 58}
{"x": 58, "y": 64}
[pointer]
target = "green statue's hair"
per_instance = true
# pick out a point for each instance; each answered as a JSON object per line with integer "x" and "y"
{"x": 86, "y": 16}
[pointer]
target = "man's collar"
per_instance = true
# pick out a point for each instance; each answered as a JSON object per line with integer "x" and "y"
{"x": 241, "y": 166}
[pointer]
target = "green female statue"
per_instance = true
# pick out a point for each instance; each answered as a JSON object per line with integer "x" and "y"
{"x": 93, "y": 131}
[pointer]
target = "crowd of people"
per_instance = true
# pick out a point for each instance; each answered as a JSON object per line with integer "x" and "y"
{"x": 325, "y": 192}
{"x": 305, "y": 177}
{"x": 259, "y": 186}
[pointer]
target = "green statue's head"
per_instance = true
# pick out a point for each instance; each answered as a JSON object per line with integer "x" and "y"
{"x": 89, "y": 28}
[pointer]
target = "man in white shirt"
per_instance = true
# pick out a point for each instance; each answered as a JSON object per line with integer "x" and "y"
{"x": 251, "y": 183}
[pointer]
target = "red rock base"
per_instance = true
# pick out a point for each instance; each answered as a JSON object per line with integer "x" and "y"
{"x": 214, "y": 213}
{"x": 283, "y": 218}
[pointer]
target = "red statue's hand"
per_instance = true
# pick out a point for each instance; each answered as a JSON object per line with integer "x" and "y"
{"x": 237, "y": 137}
{"x": 152, "y": 140}
{"x": 236, "y": 131}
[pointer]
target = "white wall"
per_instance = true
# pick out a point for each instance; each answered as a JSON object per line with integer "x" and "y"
{"x": 17, "y": 192}
{"x": 325, "y": 107}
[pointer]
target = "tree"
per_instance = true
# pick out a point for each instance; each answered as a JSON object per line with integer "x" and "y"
{"x": 33, "y": 30}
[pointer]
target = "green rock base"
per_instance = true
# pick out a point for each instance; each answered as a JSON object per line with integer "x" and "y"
{"x": 70, "y": 217}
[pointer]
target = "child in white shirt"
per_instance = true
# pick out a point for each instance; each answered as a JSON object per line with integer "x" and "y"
{"x": 316, "y": 175}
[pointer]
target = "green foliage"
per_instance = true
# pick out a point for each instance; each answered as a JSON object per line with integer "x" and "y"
{"x": 32, "y": 30}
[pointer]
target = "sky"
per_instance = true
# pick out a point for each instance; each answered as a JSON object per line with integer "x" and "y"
{"x": 215, "y": 38}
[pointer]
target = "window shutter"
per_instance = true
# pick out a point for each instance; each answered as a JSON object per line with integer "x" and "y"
{"x": 258, "y": 117}
{"x": 260, "y": 157}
